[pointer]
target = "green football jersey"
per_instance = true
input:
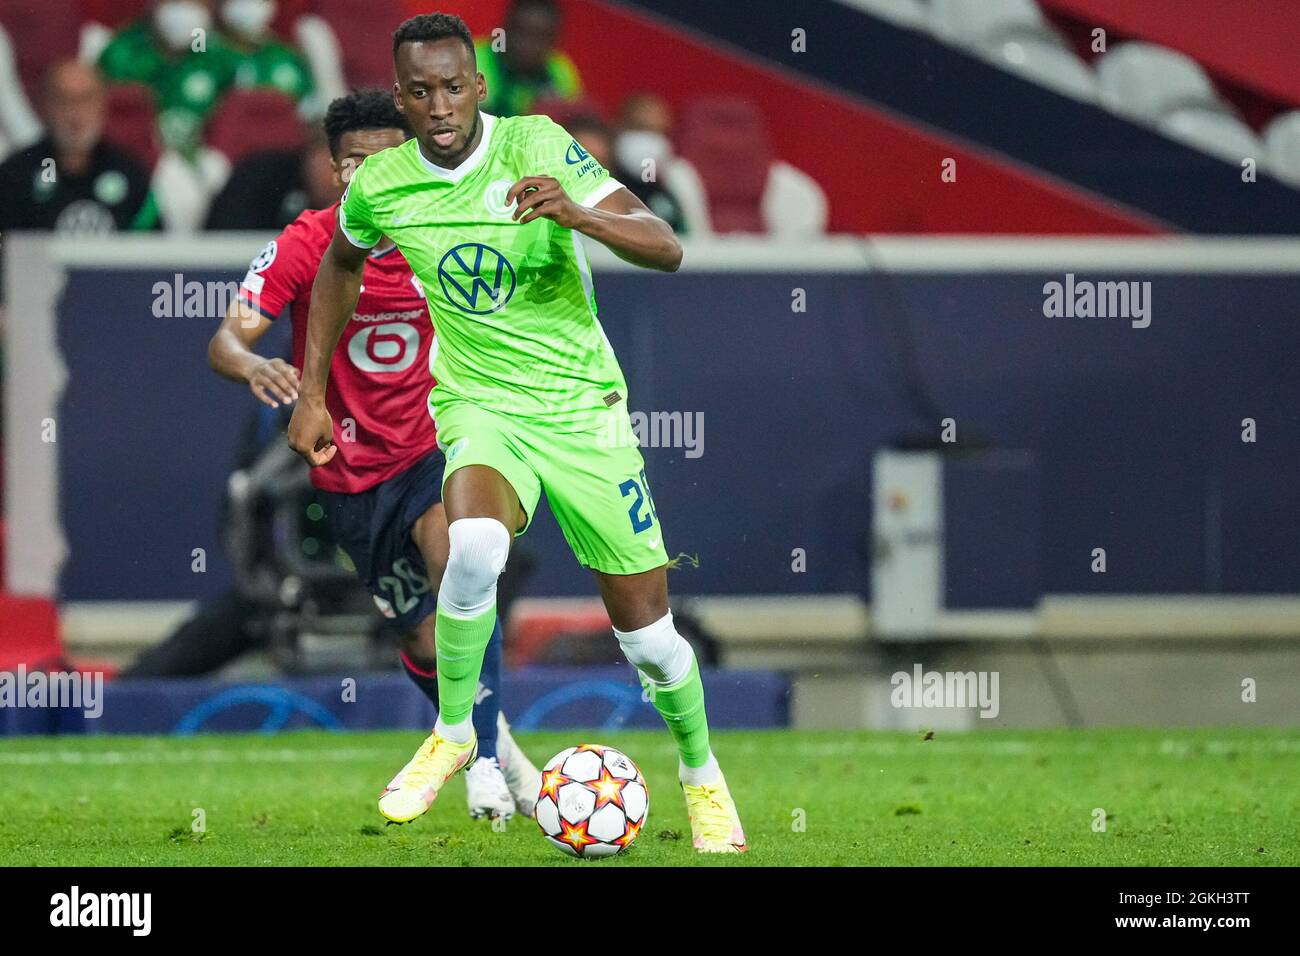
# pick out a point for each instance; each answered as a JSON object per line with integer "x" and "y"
{"x": 513, "y": 305}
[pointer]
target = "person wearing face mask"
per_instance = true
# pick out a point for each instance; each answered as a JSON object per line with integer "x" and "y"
{"x": 263, "y": 59}
{"x": 175, "y": 51}
{"x": 642, "y": 153}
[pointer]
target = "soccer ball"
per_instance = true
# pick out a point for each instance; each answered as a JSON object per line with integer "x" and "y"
{"x": 593, "y": 801}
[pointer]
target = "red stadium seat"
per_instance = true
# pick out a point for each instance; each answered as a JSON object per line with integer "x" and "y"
{"x": 535, "y": 625}
{"x": 29, "y": 633}
{"x": 248, "y": 121}
{"x": 114, "y": 13}
{"x": 43, "y": 33}
{"x": 132, "y": 122}
{"x": 365, "y": 32}
{"x": 726, "y": 140}
{"x": 286, "y": 12}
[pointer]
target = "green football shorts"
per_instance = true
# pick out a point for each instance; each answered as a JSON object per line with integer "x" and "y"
{"x": 594, "y": 479}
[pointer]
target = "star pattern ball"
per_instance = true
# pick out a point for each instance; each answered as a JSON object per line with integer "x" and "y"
{"x": 593, "y": 801}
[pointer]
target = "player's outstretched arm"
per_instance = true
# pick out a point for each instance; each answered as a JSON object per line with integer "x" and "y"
{"x": 620, "y": 221}
{"x": 230, "y": 353}
{"x": 333, "y": 300}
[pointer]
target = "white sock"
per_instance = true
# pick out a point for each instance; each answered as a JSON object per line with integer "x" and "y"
{"x": 456, "y": 733}
{"x": 698, "y": 776}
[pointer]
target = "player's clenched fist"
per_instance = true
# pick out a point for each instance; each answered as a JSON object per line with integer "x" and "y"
{"x": 311, "y": 431}
{"x": 544, "y": 196}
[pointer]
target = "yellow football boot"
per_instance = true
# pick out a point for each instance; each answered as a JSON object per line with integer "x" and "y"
{"x": 416, "y": 785}
{"x": 715, "y": 824}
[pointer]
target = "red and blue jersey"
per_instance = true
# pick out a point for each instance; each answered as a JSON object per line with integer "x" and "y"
{"x": 379, "y": 381}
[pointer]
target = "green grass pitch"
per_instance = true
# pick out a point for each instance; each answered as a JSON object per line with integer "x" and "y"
{"x": 1212, "y": 797}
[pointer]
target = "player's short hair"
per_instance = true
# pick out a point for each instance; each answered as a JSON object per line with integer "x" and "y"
{"x": 362, "y": 109}
{"x": 428, "y": 27}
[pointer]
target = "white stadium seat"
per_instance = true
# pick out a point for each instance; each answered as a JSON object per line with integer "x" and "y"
{"x": 1047, "y": 62}
{"x": 19, "y": 125}
{"x": 1282, "y": 142}
{"x": 1144, "y": 81}
{"x": 1214, "y": 132}
{"x": 904, "y": 13}
{"x": 794, "y": 205}
{"x": 976, "y": 22}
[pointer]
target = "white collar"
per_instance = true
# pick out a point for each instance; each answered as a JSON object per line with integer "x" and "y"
{"x": 472, "y": 161}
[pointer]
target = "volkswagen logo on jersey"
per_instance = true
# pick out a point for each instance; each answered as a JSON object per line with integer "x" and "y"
{"x": 576, "y": 154}
{"x": 476, "y": 278}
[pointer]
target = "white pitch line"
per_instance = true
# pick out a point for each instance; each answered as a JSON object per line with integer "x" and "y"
{"x": 880, "y": 748}
{"x": 111, "y": 757}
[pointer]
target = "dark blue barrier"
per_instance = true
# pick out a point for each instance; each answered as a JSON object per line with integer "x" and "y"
{"x": 1137, "y": 432}
{"x": 607, "y": 698}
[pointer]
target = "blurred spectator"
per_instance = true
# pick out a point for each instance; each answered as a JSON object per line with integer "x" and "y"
{"x": 643, "y": 153}
{"x": 263, "y": 59}
{"x": 529, "y": 66}
{"x": 268, "y": 190}
{"x": 175, "y": 52}
{"x": 71, "y": 180}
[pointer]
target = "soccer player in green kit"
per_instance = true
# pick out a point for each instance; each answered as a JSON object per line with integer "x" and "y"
{"x": 486, "y": 210}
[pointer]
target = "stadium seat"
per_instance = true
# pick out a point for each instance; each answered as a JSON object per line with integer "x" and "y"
{"x": 94, "y": 38}
{"x": 687, "y": 188}
{"x": 367, "y": 53}
{"x": 114, "y": 13}
{"x": 1144, "y": 82}
{"x": 1282, "y": 141}
{"x": 1214, "y": 132}
{"x": 247, "y": 121}
{"x": 321, "y": 48}
{"x": 42, "y": 34}
{"x": 29, "y": 632}
{"x": 904, "y": 13}
{"x": 132, "y": 122}
{"x": 794, "y": 205}
{"x": 976, "y": 22}
{"x": 1047, "y": 62}
{"x": 19, "y": 125}
{"x": 725, "y": 140}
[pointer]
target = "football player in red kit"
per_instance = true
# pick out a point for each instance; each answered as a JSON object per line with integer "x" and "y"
{"x": 382, "y": 488}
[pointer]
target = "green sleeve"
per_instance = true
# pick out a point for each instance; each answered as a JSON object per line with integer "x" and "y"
{"x": 556, "y": 153}
{"x": 129, "y": 57}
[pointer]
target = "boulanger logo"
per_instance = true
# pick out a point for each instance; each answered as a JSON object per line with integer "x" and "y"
{"x": 476, "y": 278}
{"x": 391, "y": 347}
